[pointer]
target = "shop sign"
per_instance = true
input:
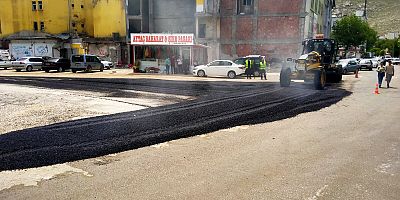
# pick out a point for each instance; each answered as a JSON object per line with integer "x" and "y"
{"x": 161, "y": 39}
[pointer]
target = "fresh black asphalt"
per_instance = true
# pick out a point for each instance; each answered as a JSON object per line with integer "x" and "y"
{"x": 218, "y": 105}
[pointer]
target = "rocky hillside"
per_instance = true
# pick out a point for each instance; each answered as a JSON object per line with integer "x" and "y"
{"x": 383, "y": 15}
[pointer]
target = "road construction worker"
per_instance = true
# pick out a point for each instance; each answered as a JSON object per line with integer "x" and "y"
{"x": 248, "y": 65}
{"x": 263, "y": 69}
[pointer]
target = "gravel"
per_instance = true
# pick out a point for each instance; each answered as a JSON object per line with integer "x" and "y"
{"x": 24, "y": 107}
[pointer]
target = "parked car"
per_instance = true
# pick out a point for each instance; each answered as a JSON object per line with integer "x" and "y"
{"x": 5, "y": 63}
{"x": 365, "y": 64}
{"x": 256, "y": 59}
{"x": 348, "y": 65}
{"x": 396, "y": 61}
{"x": 27, "y": 63}
{"x": 375, "y": 62}
{"x": 86, "y": 62}
{"x": 107, "y": 64}
{"x": 218, "y": 68}
{"x": 59, "y": 64}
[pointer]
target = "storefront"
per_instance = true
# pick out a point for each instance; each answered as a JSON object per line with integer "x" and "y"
{"x": 150, "y": 50}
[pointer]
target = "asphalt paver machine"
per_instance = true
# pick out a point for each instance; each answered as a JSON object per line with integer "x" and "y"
{"x": 316, "y": 65}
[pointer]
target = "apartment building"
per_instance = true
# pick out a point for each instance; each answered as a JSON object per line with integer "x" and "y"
{"x": 275, "y": 28}
{"x": 63, "y": 27}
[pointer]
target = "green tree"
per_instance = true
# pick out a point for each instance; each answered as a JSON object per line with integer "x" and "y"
{"x": 389, "y": 46}
{"x": 352, "y": 31}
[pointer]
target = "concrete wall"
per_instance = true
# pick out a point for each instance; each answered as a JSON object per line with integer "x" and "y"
{"x": 108, "y": 18}
{"x": 22, "y": 48}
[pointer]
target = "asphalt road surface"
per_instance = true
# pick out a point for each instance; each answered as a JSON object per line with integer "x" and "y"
{"x": 218, "y": 106}
{"x": 339, "y": 143}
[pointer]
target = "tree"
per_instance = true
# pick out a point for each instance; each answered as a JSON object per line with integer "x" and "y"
{"x": 391, "y": 46}
{"x": 352, "y": 31}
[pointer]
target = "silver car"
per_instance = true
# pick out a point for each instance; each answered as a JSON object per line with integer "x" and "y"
{"x": 86, "y": 63}
{"x": 28, "y": 64}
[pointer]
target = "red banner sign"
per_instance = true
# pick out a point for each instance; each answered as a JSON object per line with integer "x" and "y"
{"x": 161, "y": 39}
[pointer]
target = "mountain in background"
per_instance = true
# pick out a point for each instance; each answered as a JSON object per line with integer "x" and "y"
{"x": 383, "y": 15}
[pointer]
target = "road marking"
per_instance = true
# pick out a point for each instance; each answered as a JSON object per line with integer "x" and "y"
{"x": 32, "y": 176}
{"x": 318, "y": 194}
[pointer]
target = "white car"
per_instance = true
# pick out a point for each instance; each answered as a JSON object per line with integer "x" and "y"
{"x": 28, "y": 64}
{"x": 375, "y": 62}
{"x": 396, "y": 61}
{"x": 5, "y": 63}
{"x": 107, "y": 64}
{"x": 218, "y": 68}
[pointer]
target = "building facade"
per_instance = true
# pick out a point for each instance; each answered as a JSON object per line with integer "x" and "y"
{"x": 275, "y": 28}
{"x": 169, "y": 18}
{"x": 70, "y": 26}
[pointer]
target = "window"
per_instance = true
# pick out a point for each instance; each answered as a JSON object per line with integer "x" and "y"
{"x": 77, "y": 58}
{"x": 81, "y": 6}
{"x": 245, "y": 7}
{"x": 40, "y": 5}
{"x": 134, "y": 7}
{"x": 34, "y": 5}
{"x": 73, "y": 6}
{"x": 226, "y": 63}
{"x": 0, "y": 26}
{"x": 90, "y": 59}
{"x": 83, "y": 25}
{"x": 35, "y": 26}
{"x": 202, "y": 31}
{"x": 247, "y": 2}
{"x": 73, "y": 24}
{"x": 41, "y": 26}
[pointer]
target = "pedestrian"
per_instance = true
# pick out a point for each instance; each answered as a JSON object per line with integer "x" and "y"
{"x": 173, "y": 65}
{"x": 381, "y": 73}
{"x": 179, "y": 62}
{"x": 389, "y": 73}
{"x": 167, "y": 65}
{"x": 263, "y": 69}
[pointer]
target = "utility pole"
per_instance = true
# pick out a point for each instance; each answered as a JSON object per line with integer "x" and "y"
{"x": 365, "y": 9}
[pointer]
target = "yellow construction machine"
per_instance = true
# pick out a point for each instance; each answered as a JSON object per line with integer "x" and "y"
{"x": 316, "y": 65}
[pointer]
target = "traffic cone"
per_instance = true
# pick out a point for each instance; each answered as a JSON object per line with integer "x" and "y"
{"x": 376, "y": 89}
{"x": 356, "y": 74}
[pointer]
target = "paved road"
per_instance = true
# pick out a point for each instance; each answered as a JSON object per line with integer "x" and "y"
{"x": 349, "y": 148}
{"x": 220, "y": 106}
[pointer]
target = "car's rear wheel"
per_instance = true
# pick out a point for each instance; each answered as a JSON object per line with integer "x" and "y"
{"x": 73, "y": 71}
{"x": 89, "y": 68}
{"x": 29, "y": 68}
{"x": 231, "y": 74}
{"x": 101, "y": 68}
{"x": 18, "y": 70}
{"x": 201, "y": 73}
{"x": 47, "y": 71}
{"x": 345, "y": 71}
{"x": 60, "y": 69}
